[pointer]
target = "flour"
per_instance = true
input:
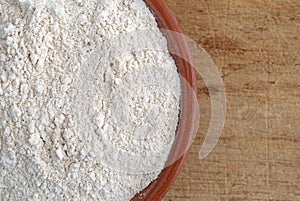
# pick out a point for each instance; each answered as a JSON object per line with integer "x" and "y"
{"x": 88, "y": 111}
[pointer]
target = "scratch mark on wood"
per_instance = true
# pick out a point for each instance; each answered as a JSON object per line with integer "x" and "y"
{"x": 210, "y": 23}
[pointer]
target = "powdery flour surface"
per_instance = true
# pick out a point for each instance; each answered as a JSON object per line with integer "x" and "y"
{"x": 83, "y": 116}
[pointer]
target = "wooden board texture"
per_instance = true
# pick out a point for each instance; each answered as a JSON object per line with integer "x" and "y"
{"x": 256, "y": 46}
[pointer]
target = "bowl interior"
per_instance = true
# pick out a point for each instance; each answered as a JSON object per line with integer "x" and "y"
{"x": 167, "y": 21}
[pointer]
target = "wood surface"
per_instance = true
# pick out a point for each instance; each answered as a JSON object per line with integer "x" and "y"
{"x": 256, "y": 46}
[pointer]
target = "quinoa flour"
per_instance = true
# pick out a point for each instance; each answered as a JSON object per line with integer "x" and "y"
{"x": 87, "y": 111}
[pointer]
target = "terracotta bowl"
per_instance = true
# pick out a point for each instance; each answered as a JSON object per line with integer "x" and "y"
{"x": 166, "y": 20}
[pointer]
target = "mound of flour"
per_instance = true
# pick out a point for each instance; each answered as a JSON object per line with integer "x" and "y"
{"x": 87, "y": 111}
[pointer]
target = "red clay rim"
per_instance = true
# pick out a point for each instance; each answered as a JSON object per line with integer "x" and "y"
{"x": 166, "y": 20}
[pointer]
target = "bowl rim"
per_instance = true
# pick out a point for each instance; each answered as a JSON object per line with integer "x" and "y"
{"x": 166, "y": 20}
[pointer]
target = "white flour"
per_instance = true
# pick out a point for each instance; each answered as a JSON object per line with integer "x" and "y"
{"x": 83, "y": 116}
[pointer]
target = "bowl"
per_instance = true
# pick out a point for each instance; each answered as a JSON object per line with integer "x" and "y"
{"x": 187, "y": 117}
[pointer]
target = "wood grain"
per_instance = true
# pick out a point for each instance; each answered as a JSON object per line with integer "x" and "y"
{"x": 256, "y": 46}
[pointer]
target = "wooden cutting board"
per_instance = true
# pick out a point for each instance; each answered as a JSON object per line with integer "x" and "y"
{"x": 256, "y": 46}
